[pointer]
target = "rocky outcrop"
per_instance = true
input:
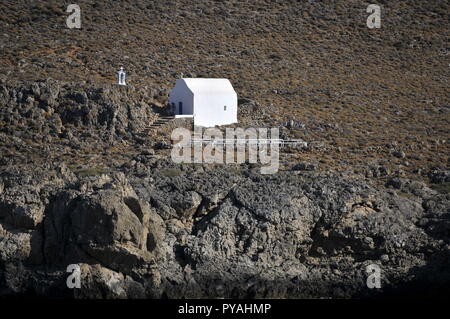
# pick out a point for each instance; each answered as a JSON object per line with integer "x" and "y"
{"x": 108, "y": 224}
{"x": 215, "y": 233}
{"x": 55, "y": 108}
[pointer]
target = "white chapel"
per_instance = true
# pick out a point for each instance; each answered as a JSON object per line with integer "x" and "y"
{"x": 210, "y": 102}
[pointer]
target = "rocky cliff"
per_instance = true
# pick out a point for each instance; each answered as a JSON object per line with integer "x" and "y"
{"x": 194, "y": 231}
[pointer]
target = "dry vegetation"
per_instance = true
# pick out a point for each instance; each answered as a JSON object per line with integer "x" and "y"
{"x": 365, "y": 94}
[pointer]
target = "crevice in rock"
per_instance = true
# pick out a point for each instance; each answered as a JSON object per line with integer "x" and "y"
{"x": 236, "y": 202}
{"x": 134, "y": 205}
{"x": 151, "y": 242}
{"x": 202, "y": 223}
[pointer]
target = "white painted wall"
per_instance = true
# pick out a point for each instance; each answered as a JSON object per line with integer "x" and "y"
{"x": 209, "y": 109}
{"x": 181, "y": 93}
{"x": 207, "y": 98}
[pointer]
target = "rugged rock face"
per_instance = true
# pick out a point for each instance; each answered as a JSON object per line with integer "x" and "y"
{"x": 216, "y": 233}
{"x": 53, "y": 108}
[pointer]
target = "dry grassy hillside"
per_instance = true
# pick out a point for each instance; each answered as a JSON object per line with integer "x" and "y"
{"x": 367, "y": 95}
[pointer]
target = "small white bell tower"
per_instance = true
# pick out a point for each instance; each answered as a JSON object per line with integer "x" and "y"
{"x": 122, "y": 76}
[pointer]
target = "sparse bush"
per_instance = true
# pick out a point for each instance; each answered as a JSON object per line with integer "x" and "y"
{"x": 443, "y": 188}
{"x": 93, "y": 171}
{"x": 172, "y": 172}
